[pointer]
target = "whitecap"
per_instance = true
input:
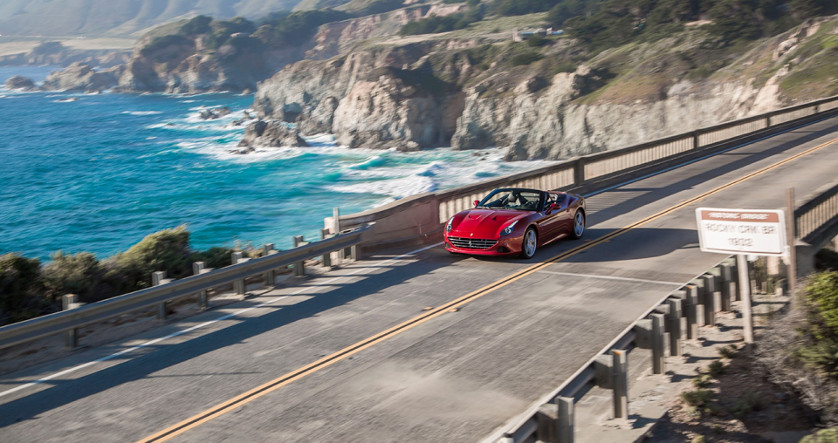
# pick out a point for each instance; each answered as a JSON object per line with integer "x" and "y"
{"x": 396, "y": 187}
{"x": 140, "y": 113}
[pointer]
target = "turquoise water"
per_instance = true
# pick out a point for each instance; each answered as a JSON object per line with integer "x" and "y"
{"x": 98, "y": 172}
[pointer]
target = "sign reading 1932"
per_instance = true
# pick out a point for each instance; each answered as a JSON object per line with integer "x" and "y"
{"x": 741, "y": 231}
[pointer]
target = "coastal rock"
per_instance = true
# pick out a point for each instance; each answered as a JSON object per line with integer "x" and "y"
{"x": 81, "y": 77}
{"x": 19, "y": 82}
{"x": 387, "y": 113}
{"x": 271, "y": 133}
{"x": 438, "y": 92}
{"x": 215, "y": 113}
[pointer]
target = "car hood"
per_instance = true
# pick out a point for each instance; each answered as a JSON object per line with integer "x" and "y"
{"x": 486, "y": 223}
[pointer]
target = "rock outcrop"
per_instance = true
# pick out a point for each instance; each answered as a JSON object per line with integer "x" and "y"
{"x": 271, "y": 134}
{"x": 430, "y": 93}
{"x": 81, "y": 77}
{"x": 19, "y": 82}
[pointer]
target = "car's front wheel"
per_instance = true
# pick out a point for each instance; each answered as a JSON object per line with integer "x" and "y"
{"x": 529, "y": 244}
{"x": 578, "y": 225}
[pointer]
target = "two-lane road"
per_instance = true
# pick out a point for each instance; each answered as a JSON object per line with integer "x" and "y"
{"x": 421, "y": 347}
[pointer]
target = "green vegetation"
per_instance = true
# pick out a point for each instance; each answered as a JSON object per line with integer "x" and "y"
{"x": 821, "y": 333}
{"x": 602, "y": 24}
{"x": 702, "y": 381}
{"x": 20, "y": 289}
{"x": 296, "y": 28}
{"x": 716, "y": 369}
{"x": 422, "y": 80}
{"x": 829, "y": 435}
{"x": 276, "y": 31}
{"x": 747, "y": 403}
{"x": 29, "y": 289}
{"x": 698, "y": 398}
{"x": 436, "y": 24}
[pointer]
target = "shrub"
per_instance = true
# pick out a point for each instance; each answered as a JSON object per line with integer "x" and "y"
{"x": 166, "y": 250}
{"x": 822, "y": 311}
{"x": 216, "y": 257}
{"x": 702, "y": 381}
{"x": 728, "y": 351}
{"x": 747, "y": 403}
{"x": 716, "y": 369}
{"x": 526, "y": 58}
{"x": 21, "y": 289}
{"x": 698, "y": 398}
{"x": 822, "y": 300}
{"x": 73, "y": 274}
{"x": 828, "y": 435}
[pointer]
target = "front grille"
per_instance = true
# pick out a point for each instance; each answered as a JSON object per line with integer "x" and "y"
{"x": 471, "y": 243}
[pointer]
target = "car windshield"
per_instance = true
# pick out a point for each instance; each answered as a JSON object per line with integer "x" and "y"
{"x": 512, "y": 199}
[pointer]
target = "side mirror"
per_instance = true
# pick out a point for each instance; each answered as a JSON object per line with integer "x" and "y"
{"x": 476, "y": 202}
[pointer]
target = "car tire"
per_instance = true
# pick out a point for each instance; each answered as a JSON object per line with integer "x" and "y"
{"x": 578, "y": 229}
{"x": 529, "y": 243}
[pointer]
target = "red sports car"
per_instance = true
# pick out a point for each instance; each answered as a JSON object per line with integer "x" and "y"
{"x": 515, "y": 221}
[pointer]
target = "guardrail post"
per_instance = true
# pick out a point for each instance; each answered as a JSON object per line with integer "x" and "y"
{"x": 269, "y": 276}
{"x": 71, "y": 301}
{"x": 728, "y": 286}
{"x": 695, "y": 140}
{"x": 658, "y": 361}
{"x": 566, "y": 419}
{"x": 643, "y": 330}
{"x": 579, "y": 171}
{"x": 353, "y": 252}
{"x": 198, "y": 269}
{"x": 327, "y": 257}
{"x": 158, "y": 278}
{"x": 620, "y": 383}
{"x": 691, "y": 300}
{"x": 675, "y": 313}
{"x": 239, "y": 286}
{"x": 709, "y": 285}
{"x": 300, "y": 266}
{"x": 547, "y": 422}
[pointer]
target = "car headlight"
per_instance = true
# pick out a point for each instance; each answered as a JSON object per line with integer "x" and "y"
{"x": 508, "y": 230}
{"x": 450, "y": 225}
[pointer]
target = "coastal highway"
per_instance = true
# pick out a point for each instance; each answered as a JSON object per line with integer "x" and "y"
{"x": 418, "y": 346}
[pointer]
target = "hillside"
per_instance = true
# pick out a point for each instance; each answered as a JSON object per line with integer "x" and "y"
{"x": 95, "y": 18}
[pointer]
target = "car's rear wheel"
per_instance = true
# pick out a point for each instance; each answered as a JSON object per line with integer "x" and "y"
{"x": 529, "y": 244}
{"x": 578, "y": 225}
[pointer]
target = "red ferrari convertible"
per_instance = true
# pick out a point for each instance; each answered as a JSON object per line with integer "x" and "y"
{"x": 515, "y": 221}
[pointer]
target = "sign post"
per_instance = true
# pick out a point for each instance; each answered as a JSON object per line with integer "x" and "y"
{"x": 741, "y": 232}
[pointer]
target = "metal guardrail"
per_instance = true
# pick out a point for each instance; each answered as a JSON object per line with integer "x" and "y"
{"x": 71, "y": 320}
{"x": 819, "y": 212}
{"x": 695, "y": 301}
{"x": 551, "y": 418}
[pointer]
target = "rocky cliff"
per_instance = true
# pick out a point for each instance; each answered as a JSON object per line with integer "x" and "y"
{"x": 471, "y": 94}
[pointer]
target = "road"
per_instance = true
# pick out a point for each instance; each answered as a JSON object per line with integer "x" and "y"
{"x": 425, "y": 346}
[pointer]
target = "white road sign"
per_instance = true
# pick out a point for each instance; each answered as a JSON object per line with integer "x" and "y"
{"x": 741, "y": 231}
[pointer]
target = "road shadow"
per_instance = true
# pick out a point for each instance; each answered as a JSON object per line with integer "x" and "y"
{"x": 157, "y": 357}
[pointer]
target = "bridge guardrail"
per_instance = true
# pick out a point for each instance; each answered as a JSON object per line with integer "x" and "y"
{"x": 694, "y": 304}
{"x": 70, "y": 320}
{"x": 676, "y": 316}
{"x": 420, "y": 217}
{"x": 817, "y": 213}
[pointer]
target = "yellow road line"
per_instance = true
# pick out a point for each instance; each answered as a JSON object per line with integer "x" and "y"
{"x": 259, "y": 391}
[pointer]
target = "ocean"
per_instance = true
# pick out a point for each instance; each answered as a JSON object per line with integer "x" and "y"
{"x": 98, "y": 172}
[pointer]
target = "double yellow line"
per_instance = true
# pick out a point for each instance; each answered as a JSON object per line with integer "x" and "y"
{"x": 259, "y": 391}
